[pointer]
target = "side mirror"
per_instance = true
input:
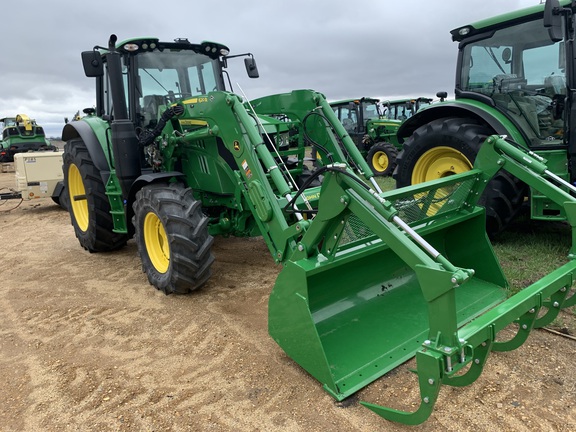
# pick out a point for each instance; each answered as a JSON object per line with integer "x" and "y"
{"x": 251, "y": 67}
{"x": 553, "y": 20}
{"x": 93, "y": 65}
{"x": 442, "y": 95}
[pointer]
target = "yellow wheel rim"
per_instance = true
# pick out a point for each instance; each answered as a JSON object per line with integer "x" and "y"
{"x": 78, "y": 201}
{"x": 156, "y": 242}
{"x": 440, "y": 162}
{"x": 380, "y": 161}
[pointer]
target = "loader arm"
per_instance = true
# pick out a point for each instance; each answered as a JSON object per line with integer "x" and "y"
{"x": 497, "y": 153}
{"x": 267, "y": 189}
{"x": 311, "y": 109}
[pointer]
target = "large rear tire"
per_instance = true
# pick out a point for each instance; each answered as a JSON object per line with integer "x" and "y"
{"x": 449, "y": 146}
{"x": 87, "y": 202}
{"x": 172, "y": 238}
{"x": 381, "y": 159}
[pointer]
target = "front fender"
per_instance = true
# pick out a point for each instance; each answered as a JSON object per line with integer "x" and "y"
{"x": 138, "y": 184}
{"x": 488, "y": 115}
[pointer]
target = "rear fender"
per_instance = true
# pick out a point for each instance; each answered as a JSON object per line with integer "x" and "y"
{"x": 485, "y": 114}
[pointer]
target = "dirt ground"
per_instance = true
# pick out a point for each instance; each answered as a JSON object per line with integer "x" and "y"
{"x": 86, "y": 344}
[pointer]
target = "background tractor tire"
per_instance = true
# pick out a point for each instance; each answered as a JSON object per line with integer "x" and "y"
{"x": 381, "y": 159}
{"x": 449, "y": 146}
{"x": 172, "y": 238}
{"x": 90, "y": 215}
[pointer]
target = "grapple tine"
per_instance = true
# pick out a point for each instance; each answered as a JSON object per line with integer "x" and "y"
{"x": 430, "y": 372}
{"x": 554, "y": 304}
{"x": 525, "y": 326}
{"x": 479, "y": 357}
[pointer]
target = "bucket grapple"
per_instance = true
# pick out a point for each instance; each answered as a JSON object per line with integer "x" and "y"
{"x": 378, "y": 278}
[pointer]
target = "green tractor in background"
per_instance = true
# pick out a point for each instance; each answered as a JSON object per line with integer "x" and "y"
{"x": 374, "y": 135}
{"x": 514, "y": 75}
{"x": 403, "y": 109}
{"x": 21, "y": 134}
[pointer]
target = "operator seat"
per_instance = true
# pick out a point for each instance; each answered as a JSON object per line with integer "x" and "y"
{"x": 150, "y": 106}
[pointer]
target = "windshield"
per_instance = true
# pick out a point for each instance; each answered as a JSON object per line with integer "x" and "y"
{"x": 167, "y": 76}
{"x": 371, "y": 111}
{"x": 399, "y": 110}
{"x": 180, "y": 72}
{"x": 523, "y": 72}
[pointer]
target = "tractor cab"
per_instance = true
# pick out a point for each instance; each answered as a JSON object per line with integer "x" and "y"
{"x": 403, "y": 109}
{"x": 355, "y": 113}
{"x": 516, "y": 68}
{"x": 157, "y": 74}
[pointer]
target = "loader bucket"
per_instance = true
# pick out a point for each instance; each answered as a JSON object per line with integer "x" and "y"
{"x": 355, "y": 315}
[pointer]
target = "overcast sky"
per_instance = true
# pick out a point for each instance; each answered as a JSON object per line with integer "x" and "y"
{"x": 379, "y": 48}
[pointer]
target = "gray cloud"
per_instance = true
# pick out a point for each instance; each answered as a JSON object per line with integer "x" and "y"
{"x": 376, "y": 48}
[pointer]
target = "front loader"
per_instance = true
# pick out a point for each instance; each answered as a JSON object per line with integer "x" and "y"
{"x": 172, "y": 157}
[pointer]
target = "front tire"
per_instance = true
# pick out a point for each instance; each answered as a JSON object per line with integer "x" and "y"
{"x": 381, "y": 159}
{"x": 87, "y": 202}
{"x": 172, "y": 238}
{"x": 449, "y": 146}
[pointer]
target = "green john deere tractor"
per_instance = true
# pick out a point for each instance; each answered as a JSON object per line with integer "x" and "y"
{"x": 172, "y": 157}
{"x": 374, "y": 135}
{"x": 403, "y": 109}
{"x": 514, "y": 75}
{"x": 21, "y": 134}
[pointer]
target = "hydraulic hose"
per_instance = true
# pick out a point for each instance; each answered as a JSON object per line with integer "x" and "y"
{"x": 148, "y": 136}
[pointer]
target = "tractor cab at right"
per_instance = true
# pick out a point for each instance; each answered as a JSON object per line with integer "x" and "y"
{"x": 513, "y": 77}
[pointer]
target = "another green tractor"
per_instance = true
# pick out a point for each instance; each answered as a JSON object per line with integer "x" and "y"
{"x": 21, "y": 134}
{"x": 369, "y": 279}
{"x": 514, "y": 75}
{"x": 374, "y": 135}
{"x": 403, "y": 109}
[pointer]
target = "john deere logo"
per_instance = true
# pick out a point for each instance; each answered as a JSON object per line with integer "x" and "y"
{"x": 236, "y": 145}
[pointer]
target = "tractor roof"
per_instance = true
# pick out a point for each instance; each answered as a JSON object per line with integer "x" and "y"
{"x": 401, "y": 101}
{"x": 357, "y": 100}
{"x": 13, "y": 120}
{"x": 500, "y": 21}
{"x": 143, "y": 44}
